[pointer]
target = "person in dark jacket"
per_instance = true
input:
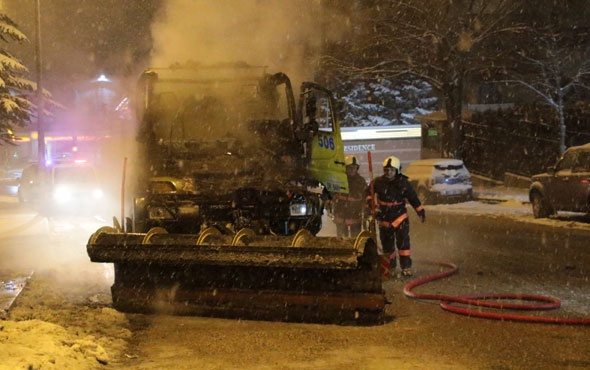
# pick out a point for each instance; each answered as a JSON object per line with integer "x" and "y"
{"x": 348, "y": 208}
{"x": 391, "y": 191}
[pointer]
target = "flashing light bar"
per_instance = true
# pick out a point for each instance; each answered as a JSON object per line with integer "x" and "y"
{"x": 22, "y": 139}
{"x": 35, "y": 136}
{"x": 384, "y": 132}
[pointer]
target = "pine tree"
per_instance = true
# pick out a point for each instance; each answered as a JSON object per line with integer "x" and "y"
{"x": 15, "y": 107}
{"x": 383, "y": 102}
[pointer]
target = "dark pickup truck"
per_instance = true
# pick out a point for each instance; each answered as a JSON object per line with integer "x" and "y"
{"x": 565, "y": 186}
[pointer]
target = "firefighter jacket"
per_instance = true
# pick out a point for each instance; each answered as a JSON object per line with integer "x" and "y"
{"x": 348, "y": 208}
{"x": 391, "y": 196}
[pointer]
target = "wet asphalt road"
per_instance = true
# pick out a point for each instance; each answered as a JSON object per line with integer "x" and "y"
{"x": 507, "y": 255}
{"x": 494, "y": 254}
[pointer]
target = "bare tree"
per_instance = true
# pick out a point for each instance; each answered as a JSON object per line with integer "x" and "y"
{"x": 558, "y": 65}
{"x": 439, "y": 41}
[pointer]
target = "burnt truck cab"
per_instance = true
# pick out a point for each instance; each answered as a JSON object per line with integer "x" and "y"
{"x": 227, "y": 146}
{"x": 229, "y": 193}
{"x": 565, "y": 186}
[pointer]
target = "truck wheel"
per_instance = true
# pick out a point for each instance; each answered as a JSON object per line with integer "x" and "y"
{"x": 540, "y": 207}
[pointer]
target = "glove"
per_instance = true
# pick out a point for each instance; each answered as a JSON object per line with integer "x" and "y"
{"x": 422, "y": 215}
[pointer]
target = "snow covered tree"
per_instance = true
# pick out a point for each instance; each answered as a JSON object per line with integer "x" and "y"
{"x": 441, "y": 42}
{"x": 383, "y": 102}
{"x": 15, "y": 107}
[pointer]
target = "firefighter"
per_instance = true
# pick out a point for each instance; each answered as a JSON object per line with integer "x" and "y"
{"x": 348, "y": 208}
{"x": 391, "y": 190}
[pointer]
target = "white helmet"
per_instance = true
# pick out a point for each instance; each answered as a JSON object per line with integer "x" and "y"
{"x": 392, "y": 162}
{"x": 350, "y": 160}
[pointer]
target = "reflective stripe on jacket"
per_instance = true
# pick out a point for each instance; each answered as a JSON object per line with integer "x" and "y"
{"x": 391, "y": 196}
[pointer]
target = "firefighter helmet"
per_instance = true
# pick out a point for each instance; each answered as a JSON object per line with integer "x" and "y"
{"x": 350, "y": 160}
{"x": 392, "y": 162}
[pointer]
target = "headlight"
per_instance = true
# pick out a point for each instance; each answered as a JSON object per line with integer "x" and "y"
{"x": 62, "y": 194}
{"x": 97, "y": 193}
{"x": 298, "y": 209}
{"x": 159, "y": 213}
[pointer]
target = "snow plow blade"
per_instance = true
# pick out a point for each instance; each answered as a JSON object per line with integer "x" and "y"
{"x": 246, "y": 276}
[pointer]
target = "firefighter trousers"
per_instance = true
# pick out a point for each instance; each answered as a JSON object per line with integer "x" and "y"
{"x": 397, "y": 237}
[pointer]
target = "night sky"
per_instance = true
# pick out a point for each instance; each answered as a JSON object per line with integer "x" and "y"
{"x": 82, "y": 39}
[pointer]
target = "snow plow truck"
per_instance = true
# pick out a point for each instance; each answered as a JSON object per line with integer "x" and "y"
{"x": 228, "y": 199}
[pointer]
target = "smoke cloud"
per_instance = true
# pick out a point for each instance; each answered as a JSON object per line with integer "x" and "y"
{"x": 283, "y": 35}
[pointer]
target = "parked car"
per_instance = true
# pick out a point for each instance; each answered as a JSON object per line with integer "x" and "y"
{"x": 74, "y": 187}
{"x": 565, "y": 186}
{"x": 71, "y": 187}
{"x": 440, "y": 180}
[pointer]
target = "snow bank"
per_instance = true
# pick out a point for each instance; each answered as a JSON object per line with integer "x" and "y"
{"x": 35, "y": 344}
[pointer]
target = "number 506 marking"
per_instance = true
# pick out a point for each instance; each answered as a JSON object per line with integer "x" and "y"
{"x": 326, "y": 142}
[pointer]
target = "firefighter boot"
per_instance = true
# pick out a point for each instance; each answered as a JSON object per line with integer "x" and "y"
{"x": 392, "y": 266}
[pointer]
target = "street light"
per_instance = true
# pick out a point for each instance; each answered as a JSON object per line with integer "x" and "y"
{"x": 102, "y": 78}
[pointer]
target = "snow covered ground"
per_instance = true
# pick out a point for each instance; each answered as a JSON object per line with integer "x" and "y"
{"x": 497, "y": 200}
{"x": 513, "y": 203}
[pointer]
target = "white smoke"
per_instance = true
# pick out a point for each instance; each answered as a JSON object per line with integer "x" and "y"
{"x": 283, "y": 35}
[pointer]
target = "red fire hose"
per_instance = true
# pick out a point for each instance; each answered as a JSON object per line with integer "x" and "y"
{"x": 491, "y": 300}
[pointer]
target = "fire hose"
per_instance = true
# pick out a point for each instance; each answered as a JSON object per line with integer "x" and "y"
{"x": 491, "y": 300}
